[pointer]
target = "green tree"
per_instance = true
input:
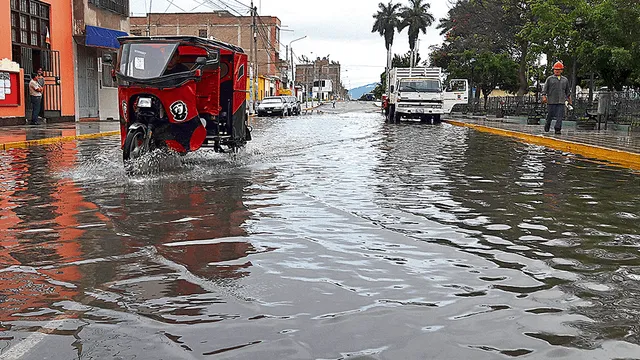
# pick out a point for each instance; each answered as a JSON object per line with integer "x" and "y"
{"x": 386, "y": 22}
{"x": 417, "y": 18}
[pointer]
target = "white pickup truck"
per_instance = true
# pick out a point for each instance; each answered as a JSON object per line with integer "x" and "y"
{"x": 417, "y": 93}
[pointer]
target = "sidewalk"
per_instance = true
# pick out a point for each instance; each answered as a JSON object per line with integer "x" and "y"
{"x": 617, "y": 146}
{"x": 28, "y": 135}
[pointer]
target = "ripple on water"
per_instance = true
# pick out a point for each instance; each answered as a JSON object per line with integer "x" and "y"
{"x": 498, "y": 227}
{"x": 324, "y": 227}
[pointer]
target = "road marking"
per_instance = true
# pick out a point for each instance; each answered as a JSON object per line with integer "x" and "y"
{"x": 617, "y": 157}
{"x": 53, "y": 140}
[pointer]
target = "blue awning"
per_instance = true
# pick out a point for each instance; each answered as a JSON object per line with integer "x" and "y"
{"x": 101, "y": 37}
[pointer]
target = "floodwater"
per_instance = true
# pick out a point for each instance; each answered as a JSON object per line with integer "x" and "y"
{"x": 332, "y": 236}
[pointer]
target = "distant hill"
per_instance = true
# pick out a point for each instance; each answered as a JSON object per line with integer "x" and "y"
{"x": 359, "y": 91}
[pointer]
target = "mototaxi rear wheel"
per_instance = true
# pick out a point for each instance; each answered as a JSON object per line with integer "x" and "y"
{"x": 133, "y": 144}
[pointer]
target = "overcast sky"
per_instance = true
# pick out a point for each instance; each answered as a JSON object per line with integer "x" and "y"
{"x": 338, "y": 28}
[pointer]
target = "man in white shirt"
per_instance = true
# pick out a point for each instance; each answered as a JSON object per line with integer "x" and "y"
{"x": 35, "y": 90}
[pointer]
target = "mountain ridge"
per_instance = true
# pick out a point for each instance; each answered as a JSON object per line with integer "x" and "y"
{"x": 356, "y": 93}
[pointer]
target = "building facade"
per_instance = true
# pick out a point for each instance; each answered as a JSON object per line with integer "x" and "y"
{"x": 96, "y": 26}
{"x": 66, "y": 39}
{"x": 35, "y": 34}
{"x": 224, "y": 26}
{"x": 313, "y": 75}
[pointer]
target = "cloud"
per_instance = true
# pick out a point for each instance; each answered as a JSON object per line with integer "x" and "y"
{"x": 339, "y": 28}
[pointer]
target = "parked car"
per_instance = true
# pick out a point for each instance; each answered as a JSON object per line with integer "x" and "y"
{"x": 294, "y": 105}
{"x": 273, "y": 105}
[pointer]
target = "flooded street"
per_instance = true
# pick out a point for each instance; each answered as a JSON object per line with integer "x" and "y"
{"x": 331, "y": 236}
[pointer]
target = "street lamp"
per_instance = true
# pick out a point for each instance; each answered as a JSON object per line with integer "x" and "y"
{"x": 473, "y": 95}
{"x": 579, "y": 24}
{"x": 346, "y": 75}
{"x": 313, "y": 77}
{"x": 293, "y": 71}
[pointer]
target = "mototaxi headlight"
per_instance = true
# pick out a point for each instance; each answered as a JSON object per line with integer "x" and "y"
{"x": 144, "y": 102}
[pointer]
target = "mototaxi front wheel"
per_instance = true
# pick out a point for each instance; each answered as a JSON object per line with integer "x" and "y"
{"x": 133, "y": 144}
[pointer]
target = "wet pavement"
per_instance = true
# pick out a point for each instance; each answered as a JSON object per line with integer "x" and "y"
{"x": 21, "y": 136}
{"x": 612, "y": 138}
{"x": 332, "y": 236}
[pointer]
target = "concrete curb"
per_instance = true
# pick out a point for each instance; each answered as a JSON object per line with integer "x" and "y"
{"x": 53, "y": 140}
{"x": 618, "y": 157}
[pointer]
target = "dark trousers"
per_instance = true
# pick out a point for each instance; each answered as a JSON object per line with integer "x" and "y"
{"x": 36, "y": 102}
{"x": 554, "y": 111}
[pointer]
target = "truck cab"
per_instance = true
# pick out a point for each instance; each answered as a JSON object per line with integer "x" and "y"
{"x": 418, "y": 93}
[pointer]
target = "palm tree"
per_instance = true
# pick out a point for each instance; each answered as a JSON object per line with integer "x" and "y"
{"x": 387, "y": 20}
{"x": 417, "y": 17}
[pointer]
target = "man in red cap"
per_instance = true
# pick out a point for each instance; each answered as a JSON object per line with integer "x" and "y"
{"x": 556, "y": 93}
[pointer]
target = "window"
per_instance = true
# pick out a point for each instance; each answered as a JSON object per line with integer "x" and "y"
{"x": 29, "y": 22}
{"x": 136, "y": 32}
{"x": 202, "y": 33}
{"x": 120, "y": 7}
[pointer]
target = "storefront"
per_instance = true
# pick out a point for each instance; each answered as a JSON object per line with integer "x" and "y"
{"x": 97, "y": 26}
{"x": 35, "y": 34}
{"x": 97, "y": 92}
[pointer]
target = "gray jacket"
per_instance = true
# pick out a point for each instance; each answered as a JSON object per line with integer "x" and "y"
{"x": 556, "y": 90}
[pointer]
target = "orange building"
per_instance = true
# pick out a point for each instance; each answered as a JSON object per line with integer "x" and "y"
{"x": 36, "y": 34}
{"x": 66, "y": 39}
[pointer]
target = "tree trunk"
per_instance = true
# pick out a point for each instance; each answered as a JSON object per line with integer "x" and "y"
{"x": 388, "y": 70}
{"x": 522, "y": 71}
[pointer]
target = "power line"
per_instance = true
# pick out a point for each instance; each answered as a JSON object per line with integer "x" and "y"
{"x": 244, "y": 5}
{"x": 224, "y": 6}
{"x": 172, "y": 4}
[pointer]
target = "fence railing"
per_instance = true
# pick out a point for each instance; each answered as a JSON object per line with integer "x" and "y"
{"x": 619, "y": 107}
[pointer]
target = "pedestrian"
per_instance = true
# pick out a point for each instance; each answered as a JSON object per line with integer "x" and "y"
{"x": 41, "y": 83}
{"x": 35, "y": 92}
{"x": 556, "y": 94}
{"x": 334, "y": 103}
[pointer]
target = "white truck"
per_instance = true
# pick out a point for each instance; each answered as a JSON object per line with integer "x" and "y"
{"x": 417, "y": 93}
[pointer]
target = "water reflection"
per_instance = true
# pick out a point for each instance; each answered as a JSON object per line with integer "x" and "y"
{"x": 560, "y": 220}
{"x": 115, "y": 247}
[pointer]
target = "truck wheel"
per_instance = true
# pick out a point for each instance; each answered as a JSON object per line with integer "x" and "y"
{"x": 436, "y": 119}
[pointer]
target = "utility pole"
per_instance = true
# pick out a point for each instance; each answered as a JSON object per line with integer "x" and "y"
{"x": 287, "y": 59}
{"x": 254, "y": 13}
{"x": 149, "y": 19}
{"x": 252, "y": 92}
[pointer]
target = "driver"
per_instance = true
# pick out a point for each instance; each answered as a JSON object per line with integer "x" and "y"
{"x": 175, "y": 66}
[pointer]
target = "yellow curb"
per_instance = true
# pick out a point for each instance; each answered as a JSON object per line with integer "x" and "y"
{"x": 619, "y": 157}
{"x": 53, "y": 140}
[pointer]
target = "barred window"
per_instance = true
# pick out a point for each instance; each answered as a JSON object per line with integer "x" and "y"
{"x": 120, "y": 7}
{"x": 29, "y": 22}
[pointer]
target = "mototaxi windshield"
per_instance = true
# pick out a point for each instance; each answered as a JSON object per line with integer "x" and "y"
{"x": 145, "y": 60}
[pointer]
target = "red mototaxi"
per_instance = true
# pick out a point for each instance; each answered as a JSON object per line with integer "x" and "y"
{"x": 181, "y": 93}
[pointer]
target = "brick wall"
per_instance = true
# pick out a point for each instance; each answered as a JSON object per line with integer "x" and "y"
{"x": 234, "y": 30}
{"x": 323, "y": 70}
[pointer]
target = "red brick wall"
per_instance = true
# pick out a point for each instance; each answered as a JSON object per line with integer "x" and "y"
{"x": 235, "y": 30}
